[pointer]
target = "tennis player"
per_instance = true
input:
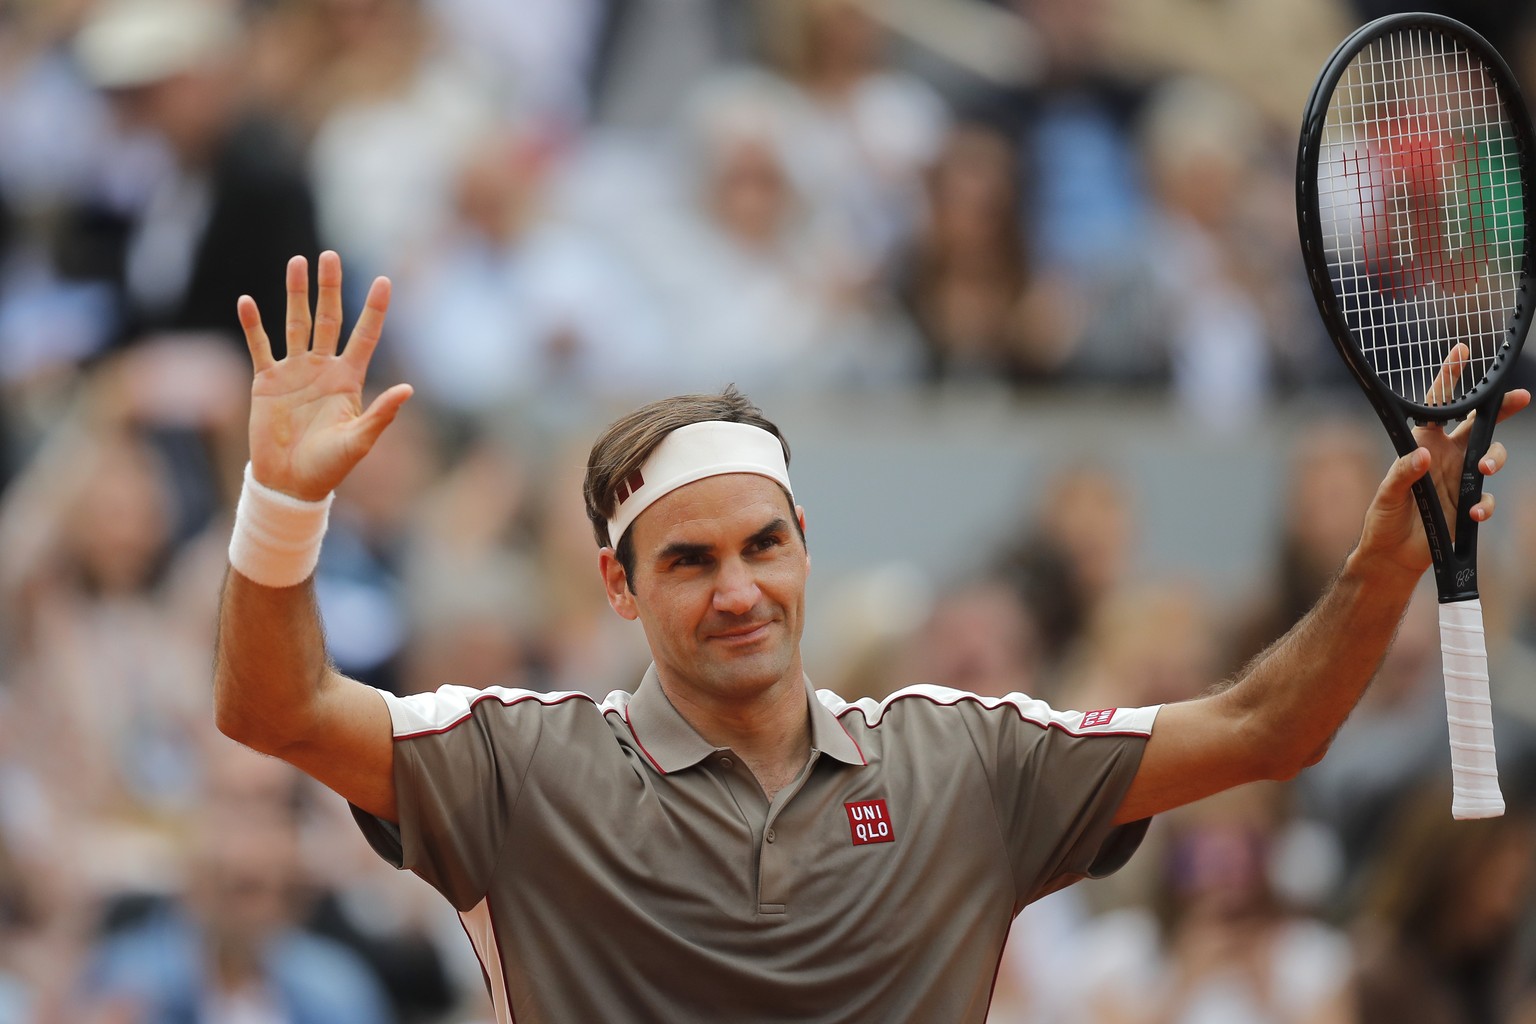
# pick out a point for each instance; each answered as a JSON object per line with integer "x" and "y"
{"x": 725, "y": 842}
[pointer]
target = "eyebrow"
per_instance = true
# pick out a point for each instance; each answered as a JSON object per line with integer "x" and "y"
{"x": 679, "y": 549}
{"x": 685, "y": 549}
{"x": 776, "y": 525}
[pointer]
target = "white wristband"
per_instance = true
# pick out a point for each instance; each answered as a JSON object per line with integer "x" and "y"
{"x": 277, "y": 537}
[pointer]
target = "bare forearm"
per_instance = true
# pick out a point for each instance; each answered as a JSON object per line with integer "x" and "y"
{"x": 1298, "y": 693}
{"x": 1284, "y": 709}
{"x": 274, "y": 687}
{"x": 270, "y": 662}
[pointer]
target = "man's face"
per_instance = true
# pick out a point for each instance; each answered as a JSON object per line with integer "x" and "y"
{"x": 719, "y": 587}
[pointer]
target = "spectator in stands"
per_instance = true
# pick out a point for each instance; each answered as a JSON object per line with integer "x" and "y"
{"x": 757, "y": 281}
{"x": 866, "y": 131}
{"x": 1084, "y": 207}
{"x": 115, "y": 689}
{"x": 979, "y": 637}
{"x": 393, "y": 116}
{"x": 229, "y": 193}
{"x": 1202, "y": 148}
{"x": 510, "y": 303}
{"x": 55, "y": 132}
{"x": 965, "y": 283}
{"x": 1075, "y": 549}
{"x": 1442, "y": 911}
{"x": 1218, "y": 945}
{"x": 359, "y": 584}
{"x": 1329, "y": 481}
{"x": 1152, "y": 643}
{"x": 231, "y": 950}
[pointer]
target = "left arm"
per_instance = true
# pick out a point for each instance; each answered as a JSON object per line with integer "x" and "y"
{"x": 1283, "y": 711}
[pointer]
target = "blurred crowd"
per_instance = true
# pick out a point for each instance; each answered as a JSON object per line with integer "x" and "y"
{"x": 584, "y": 204}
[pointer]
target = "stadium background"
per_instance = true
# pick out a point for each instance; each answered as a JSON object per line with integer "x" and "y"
{"x": 1020, "y": 282}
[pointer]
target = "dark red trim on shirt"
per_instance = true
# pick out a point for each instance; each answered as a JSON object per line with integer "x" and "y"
{"x": 839, "y": 720}
{"x": 636, "y": 735}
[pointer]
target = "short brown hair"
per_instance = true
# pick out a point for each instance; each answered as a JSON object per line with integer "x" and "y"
{"x": 629, "y": 441}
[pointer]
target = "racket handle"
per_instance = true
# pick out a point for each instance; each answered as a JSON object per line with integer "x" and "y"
{"x": 1469, "y": 711}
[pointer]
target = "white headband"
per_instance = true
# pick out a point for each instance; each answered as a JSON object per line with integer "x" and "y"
{"x": 691, "y": 453}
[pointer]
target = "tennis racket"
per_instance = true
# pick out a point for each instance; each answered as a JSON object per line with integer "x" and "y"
{"x": 1412, "y": 182}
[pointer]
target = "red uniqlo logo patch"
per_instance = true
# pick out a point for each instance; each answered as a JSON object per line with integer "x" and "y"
{"x": 1101, "y": 717}
{"x": 870, "y": 822}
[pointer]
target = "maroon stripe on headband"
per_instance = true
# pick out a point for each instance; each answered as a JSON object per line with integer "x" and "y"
{"x": 631, "y": 484}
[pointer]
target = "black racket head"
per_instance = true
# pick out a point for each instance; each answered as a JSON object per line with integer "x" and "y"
{"x": 1412, "y": 189}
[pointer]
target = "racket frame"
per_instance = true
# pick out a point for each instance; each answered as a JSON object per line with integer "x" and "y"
{"x": 1455, "y": 562}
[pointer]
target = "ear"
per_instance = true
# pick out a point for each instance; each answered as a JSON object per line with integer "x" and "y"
{"x": 616, "y": 583}
{"x": 800, "y": 518}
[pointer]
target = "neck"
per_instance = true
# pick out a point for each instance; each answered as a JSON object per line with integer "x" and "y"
{"x": 770, "y": 731}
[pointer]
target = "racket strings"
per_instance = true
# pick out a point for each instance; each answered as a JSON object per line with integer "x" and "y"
{"x": 1420, "y": 197}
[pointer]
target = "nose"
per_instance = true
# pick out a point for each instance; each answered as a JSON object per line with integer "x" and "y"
{"x": 736, "y": 591}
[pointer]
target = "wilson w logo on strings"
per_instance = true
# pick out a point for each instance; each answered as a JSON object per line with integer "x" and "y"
{"x": 1428, "y": 204}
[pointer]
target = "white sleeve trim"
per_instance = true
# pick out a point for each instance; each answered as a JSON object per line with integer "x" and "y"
{"x": 439, "y": 710}
{"x": 1099, "y": 722}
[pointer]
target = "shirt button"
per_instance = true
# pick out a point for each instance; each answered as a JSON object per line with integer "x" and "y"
{"x": 725, "y": 762}
{"x": 771, "y": 836}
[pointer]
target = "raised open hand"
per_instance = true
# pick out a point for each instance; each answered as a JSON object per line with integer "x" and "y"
{"x": 1393, "y": 527}
{"x": 308, "y": 425}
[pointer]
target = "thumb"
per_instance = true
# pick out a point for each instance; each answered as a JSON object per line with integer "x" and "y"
{"x": 381, "y": 413}
{"x": 1403, "y": 474}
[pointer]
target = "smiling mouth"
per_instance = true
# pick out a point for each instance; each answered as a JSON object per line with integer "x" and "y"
{"x": 745, "y": 634}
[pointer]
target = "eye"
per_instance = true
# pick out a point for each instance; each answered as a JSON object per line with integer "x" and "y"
{"x": 762, "y": 544}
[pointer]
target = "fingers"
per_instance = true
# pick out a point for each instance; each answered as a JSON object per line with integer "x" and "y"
{"x": 1444, "y": 387}
{"x": 370, "y": 325}
{"x": 326, "y": 325}
{"x": 328, "y": 304}
{"x": 1403, "y": 473}
{"x": 298, "y": 322}
{"x": 1512, "y": 403}
{"x": 1491, "y": 463}
{"x": 255, "y": 335}
{"x": 1494, "y": 459}
{"x": 381, "y": 413}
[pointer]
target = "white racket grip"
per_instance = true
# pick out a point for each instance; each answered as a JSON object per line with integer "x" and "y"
{"x": 1469, "y": 711}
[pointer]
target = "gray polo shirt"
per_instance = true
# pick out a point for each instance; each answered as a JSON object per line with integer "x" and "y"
{"x": 609, "y": 864}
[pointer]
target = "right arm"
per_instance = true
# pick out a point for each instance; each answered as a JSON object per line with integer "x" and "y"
{"x": 274, "y": 687}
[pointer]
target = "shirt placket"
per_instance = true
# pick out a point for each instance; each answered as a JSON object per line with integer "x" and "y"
{"x": 774, "y": 848}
